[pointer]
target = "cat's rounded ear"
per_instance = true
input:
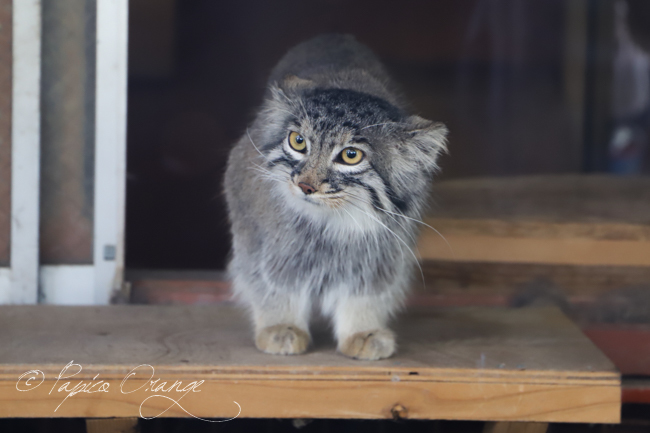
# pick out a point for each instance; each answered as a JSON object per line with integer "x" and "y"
{"x": 280, "y": 91}
{"x": 425, "y": 140}
{"x": 277, "y": 94}
{"x": 293, "y": 82}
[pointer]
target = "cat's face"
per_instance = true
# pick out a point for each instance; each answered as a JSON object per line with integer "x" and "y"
{"x": 341, "y": 152}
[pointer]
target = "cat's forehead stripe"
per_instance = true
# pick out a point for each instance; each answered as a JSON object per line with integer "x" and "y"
{"x": 348, "y": 108}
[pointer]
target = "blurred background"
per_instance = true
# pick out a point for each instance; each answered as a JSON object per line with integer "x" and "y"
{"x": 525, "y": 87}
{"x": 548, "y": 107}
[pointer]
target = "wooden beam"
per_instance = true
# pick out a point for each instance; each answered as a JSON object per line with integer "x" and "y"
{"x": 112, "y": 425}
{"x": 515, "y": 427}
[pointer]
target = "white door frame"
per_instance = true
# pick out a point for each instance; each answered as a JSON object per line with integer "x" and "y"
{"x": 68, "y": 284}
{"x": 110, "y": 146}
{"x": 19, "y": 282}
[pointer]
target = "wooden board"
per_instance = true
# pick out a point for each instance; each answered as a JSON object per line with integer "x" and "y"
{"x": 470, "y": 363}
{"x": 567, "y": 219}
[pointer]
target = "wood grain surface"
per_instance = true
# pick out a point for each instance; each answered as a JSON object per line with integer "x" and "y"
{"x": 469, "y": 363}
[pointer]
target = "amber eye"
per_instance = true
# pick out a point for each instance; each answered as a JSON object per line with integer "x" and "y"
{"x": 351, "y": 156}
{"x": 297, "y": 142}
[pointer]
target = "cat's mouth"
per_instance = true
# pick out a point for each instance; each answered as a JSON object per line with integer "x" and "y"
{"x": 312, "y": 200}
{"x": 333, "y": 200}
{"x": 326, "y": 200}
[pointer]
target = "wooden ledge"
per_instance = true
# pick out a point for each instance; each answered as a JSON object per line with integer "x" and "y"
{"x": 469, "y": 364}
{"x": 587, "y": 220}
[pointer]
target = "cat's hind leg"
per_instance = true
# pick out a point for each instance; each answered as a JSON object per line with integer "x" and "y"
{"x": 361, "y": 324}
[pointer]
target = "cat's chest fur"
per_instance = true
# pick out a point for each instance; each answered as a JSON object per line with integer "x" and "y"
{"x": 299, "y": 252}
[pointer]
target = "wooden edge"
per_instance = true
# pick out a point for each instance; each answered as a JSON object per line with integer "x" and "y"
{"x": 539, "y": 229}
{"x": 318, "y": 373}
{"x": 571, "y": 251}
{"x": 322, "y": 399}
{"x": 182, "y": 291}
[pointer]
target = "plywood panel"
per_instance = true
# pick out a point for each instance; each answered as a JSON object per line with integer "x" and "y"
{"x": 472, "y": 363}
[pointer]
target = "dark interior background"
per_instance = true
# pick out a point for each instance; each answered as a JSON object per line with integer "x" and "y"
{"x": 524, "y": 87}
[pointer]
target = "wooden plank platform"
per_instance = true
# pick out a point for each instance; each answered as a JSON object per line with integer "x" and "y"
{"x": 459, "y": 364}
{"x": 561, "y": 219}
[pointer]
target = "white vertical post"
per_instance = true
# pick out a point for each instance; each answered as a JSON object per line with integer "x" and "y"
{"x": 5, "y": 285}
{"x": 25, "y": 152}
{"x": 110, "y": 147}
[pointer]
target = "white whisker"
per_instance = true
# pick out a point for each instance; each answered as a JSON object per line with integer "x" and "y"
{"x": 381, "y": 124}
{"x": 256, "y": 148}
{"x": 424, "y": 224}
{"x": 417, "y": 262}
{"x": 361, "y": 199}
{"x": 264, "y": 172}
{"x": 353, "y": 218}
{"x": 451, "y": 250}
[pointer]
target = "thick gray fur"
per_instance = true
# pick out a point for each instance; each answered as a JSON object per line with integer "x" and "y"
{"x": 347, "y": 248}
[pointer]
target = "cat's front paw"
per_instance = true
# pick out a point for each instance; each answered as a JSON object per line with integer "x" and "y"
{"x": 369, "y": 345}
{"x": 282, "y": 340}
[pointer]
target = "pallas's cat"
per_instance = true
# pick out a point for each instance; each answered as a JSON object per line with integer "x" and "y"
{"x": 324, "y": 192}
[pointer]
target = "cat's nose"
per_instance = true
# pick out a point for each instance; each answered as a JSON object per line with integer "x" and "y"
{"x": 307, "y": 188}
